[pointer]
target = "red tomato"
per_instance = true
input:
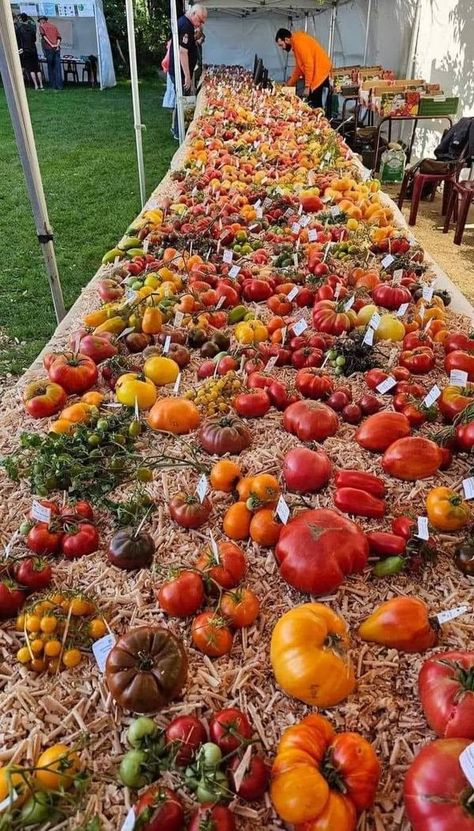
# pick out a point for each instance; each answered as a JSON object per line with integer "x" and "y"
{"x": 33, "y": 573}
{"x": 184, "y": 735}
{"x": 75, "y": 373}
{"x": 212, "y": 818}
{"x": 259, "y": 380}
{"x": 81, "y": 509}
{"x": 411, "y": 458}
{"x": 374, "y": 377}
{"x": 330, "y": 317}
{"x": 188, "y": 511}
{"x": 80, "y": 540}
{"x": 404, "y": 527}
{"x": 312, "y": 384}
{"x": 446, "y": 689}
{"x": 42, "y": 398}
{"x": 42, "y": 539}
{"x": 419, "y": 360}
{"x": 230, "y": 729}
{"x": 436, "y": 790}
{"x": 459, "y": 341}
{"x": 182, "y": 595}
{"x": 310, "y": 420}
{"x": 417, "y": 338}
{"x": 12, "y": 598}
{"x": 305, "y": 470}
{"x": 97, "y": 347}
{"x": 460, "y": 360}
{"x": 465, "y": 436}
{"x": 211, "y": 635}
{"x": 159, "y": 809}
{"x": 390, "y": 297}
{"x": 227, "y": 568}
{"x": 307, "y": 356}
{"x": 380, "y": 430}
{"x": 254, "y": 404}
{"x": 255, "y": 781}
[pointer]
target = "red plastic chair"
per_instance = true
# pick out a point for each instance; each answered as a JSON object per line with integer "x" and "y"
{"x": 417, "y": 179}
{"x": 462, "y": 194}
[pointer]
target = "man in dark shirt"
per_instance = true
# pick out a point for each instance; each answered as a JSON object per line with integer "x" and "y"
{"x": 194, "y": 18}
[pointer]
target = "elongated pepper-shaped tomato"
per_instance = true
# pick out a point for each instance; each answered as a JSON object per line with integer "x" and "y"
{"x": 386, "y": 545}
{"x": 359, "y": 503}
{"x": 401, "y": 623}
{"x": 362, "y": 481}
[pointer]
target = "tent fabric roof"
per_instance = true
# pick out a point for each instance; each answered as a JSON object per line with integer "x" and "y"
{"x": 280, "y": 6}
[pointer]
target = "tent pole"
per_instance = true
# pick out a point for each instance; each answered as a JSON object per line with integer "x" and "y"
{"x": 332, "y": 28}
{"x": 99, "y": 56}
{"x": 414, "y": 39}
{"x": 367, "y": 29}
{"x": 132, "y": 52}
{"x": 15, "y": 93}
{"x": 178, "y": 82}
{"x": 306, "y": 21}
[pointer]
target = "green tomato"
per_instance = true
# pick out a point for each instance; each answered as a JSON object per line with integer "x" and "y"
{"x": 141, "y": 729}
{"x": 340, "y": 360}
{"x": 93, "y": 440}
{"x": 137, "y": 285}
{"x": 144, "y": 474}
{"x": 213, "y": 788}
{"x": 102, "y": 424}
{"x": 119, "y": 438}
{"x": 389, "y": 566}
{"x": 191, "y": 778}
{"x": 36, "y": 810}
{"x": 210, "y": 755}
{"x": 134, "y": 428}
{"x": 332, "y": 354}
{"x": 25, "y": 527}
{"x": 338, "y": 370}
{"x": 131, "y": 769}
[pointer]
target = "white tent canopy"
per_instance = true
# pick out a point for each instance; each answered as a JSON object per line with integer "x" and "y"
{"x": 83, "y": 29}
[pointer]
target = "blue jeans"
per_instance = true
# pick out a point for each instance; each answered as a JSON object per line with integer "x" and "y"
{"x": 53, "y": 59}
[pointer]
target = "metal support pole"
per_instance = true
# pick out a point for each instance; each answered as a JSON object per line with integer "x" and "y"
{"x": 414, "y": 40}
{"x": 306, "y": 21}
{"x": 137, "y": 122}
{"x": 14, "y": 87}
{"x": 367, "y": 30}
{"x": 178, "y": 82}
{"x": 332, "y": 29}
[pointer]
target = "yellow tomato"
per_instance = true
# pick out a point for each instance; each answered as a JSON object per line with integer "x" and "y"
{"x": 114, "y": 324}
{"x": 93, "y": 397}
{"x": 130, "y": 389}
{"x": 76, "y": 413}
{"x": 12, "y": 780}
{"x": 251, "y": 331}
{"x": 61, "y": 425}
{"x": 390, "y": 328}
{"x": 56, "y": 768}
{"x": 161, "y": 370}
{"x": 365, "y": 313}
{"x": 152, "y": 280}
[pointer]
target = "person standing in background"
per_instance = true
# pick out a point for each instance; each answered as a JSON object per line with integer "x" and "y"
{"x": 194, "y": 18}
{"x": 313, "y": 64}
{"x": 51, "y": 42}
{"x": 26, "y": 39}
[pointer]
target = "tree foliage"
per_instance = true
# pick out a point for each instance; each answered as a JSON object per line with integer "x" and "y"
{"x": 152, "y": 30}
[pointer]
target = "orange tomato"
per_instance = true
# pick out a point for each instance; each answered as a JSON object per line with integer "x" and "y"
{"x": 224, "y": 475}
{"x": 237, "y": 521}
{"x": 244, "y": 488}
{"x": 93, "y": 397}
{"x": 264, "y": 528}
{"x": 56, "y": 768}
{"x": 61, "y": 425}
{"x": 264, "y": 488}
{"x": 241, "y": 606}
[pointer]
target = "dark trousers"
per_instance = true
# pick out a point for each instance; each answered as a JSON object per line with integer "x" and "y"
{"x": 315, "y": 98}
{"x": 53, "y": 59}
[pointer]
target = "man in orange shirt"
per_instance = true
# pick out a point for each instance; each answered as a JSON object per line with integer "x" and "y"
{"x": 313, "y": 63}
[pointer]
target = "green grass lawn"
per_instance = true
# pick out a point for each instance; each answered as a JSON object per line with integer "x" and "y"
{"x": 86, "y": 147}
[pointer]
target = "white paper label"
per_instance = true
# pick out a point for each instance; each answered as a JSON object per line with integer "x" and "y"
{"x": 137, "y": 409}
{"x": 177, "y": 383}
{"x": 40, "y": 512}
{"x": 126, "y": 332}
{"x": 101, "y": 649}
{"x": 466, "y": 761}
{"x": 300, "y": 210}
{"x": 374, "y": 321}
{"x": 259, "y": 212}
{"x": 10, "y": 799}
{"x": 468, "y": 485}
{"x": 387, "y": 260}
{"x": 214, "y": 547}
{"x": 335, "y": 211}
{"x": 312, "y": 235}
{"x": 296, "y": 228}
{"x": 166, "y": 345}
{"x": 295, "y": 260}
{"x": 337, "y": 291}
{"x": 432, "y": 396}
{"x": 228, "y": 256}
{"x": 129, "y": 823}
{"x": 178, "y": 318}
{"x": 349, "y": 303}
{"x": 292, "y": 294}
{"x": 270, "y": 363}
{"x": 202, "y": 486}
{"x": 145, "y": 245}
{"x": 402, "y": 310}
{"x": 221, "y": 302}
{"x": 386, "y": 384}
{"x": 300, "y": 326}
{"x": 423, "y": 532}
{"x": 304, "y": 221}
{"x": 369, "y": 337}
{"x": 458, "y": 377}
{"x": 282, "y": 510}
{"x": 234, "y": 272}
{"x": 130, "y": 294}
{"x": 450, "y": 614}
{"x": 427, "y": 293}
{"x": 397, "y": 276}
{"x": 284, "y": 333}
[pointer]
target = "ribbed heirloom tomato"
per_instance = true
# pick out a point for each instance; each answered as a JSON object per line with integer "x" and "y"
{"x": 446, "y": 689}
{"x": 310, "y": 420}
{"x": 226, "y": 567}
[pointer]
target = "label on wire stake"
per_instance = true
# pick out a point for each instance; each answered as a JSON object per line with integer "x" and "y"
{"x": 427, "y": 293}
{"x": 450, "y": 614}
{"x": 374, "y": 321}
{"x": 10, "y": 800}
{"x": 234, "y": 272}
{"x": 387, "y": 260}
{"x": 214, "y": 547}
{"x": 178, "y": 318}
{"x": 423, "y": 533}
{"x": 40, "y": 512}
{"x": 300, "y": 326}
{"x": 432, "y": 396}
{"x": 312, "y": 235}
{"x": 386, "y": 385}
{"x": 458, "y": 377}
{"x": 221, "y": 302}
{"x": 468, "y": 486}
{"x": 202, "y": 486}
{"x": 296, "y": 228}
{"x": 166, "y": 345}
{"x": 466, "y": 761}
{"x": 282, "y": 510}
{"x": 397, "y": 276}
{"x": 294, "y": 291}
{"x": 129, "y": 822}
{"x": 177, "y": 383}
{"x": 228, "y": 256}
{"x": 369, "y": 337}
{"x": 349, "y": 303}
{"x": 270, "y": 363}
{"x": 402, "y": 310}
{"x": 101, "y": 649}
